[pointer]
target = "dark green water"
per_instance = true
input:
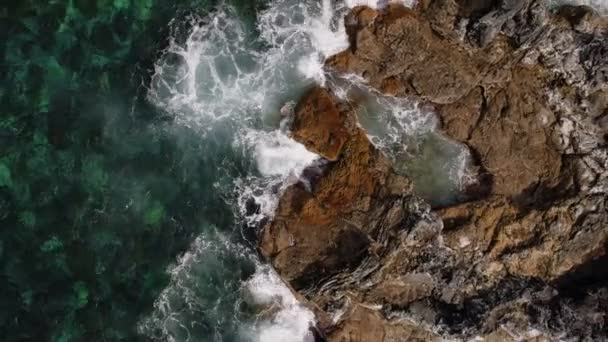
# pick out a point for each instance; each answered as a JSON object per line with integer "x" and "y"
{"x": 99, "y": 191}
{"x": 134, "y": 135}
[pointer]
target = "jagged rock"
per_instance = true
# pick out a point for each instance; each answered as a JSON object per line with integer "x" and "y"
{"x": 333, "y": 125}
{"x": 544, "y": 244}
{"x": 403, "y": 290}
{"x": 526, "y": 90}
{"x": 393, "y": 52}
{"x": 510, "y": 130}
{"x": 319, "y": 231}
{"x": 366, "y": 324}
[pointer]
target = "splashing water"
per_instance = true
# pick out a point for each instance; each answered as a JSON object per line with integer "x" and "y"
{"x": 289, "y": 318}
{"x": 230, "y": 83}
{"x": 379, "y": 3}
{"x": 408, "y": 134}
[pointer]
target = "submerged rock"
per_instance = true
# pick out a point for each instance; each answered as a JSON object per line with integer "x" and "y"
{"x": 526, "y": 89}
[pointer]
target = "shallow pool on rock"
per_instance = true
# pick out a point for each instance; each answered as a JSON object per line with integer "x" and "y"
{"x": 408, "y": 133}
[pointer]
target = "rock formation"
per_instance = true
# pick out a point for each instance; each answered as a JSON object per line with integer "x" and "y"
{"x": 319, "y": 231}
{"x": 527, "y": 90}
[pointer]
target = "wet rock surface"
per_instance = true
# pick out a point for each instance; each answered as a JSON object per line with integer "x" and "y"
{"x": 329, "y": 223}
{"x": 526, "y": 89}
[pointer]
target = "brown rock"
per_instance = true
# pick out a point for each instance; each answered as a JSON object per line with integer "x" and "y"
{"x": 510, "y": 131}
{"x": 403, "y": 290}
{"x": 545, "y": 244}
{"x": 441, "y": 14}
{"x": 459, "y": 118}
{"x": 319, "y": 232}
{"x": 502, "y": 114}
{"x": 473, "y": 226}
{"x": 396, "y": 49}
{"x": 331, "y": 131}
{"x": 362, "y": 324}
{"x": 527, "y": 93}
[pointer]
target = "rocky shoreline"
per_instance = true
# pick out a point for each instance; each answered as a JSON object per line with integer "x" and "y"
{"x": 526, "y": 89}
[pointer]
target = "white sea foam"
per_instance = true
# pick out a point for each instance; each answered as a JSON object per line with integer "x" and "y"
{"x": 280, "y": 161}
{"x": 378, "y": 3}
{"x": 407, "y": 132}
{"x": 209, "y": 76}
{"x": 305, "y": 33}
{"x": 186, "y": 303}
{"x": 220, "y": 81}
{"x": 408, "y": 135}
{"x": 291, "y": 321}
{"x": 218, "y": 74}
{"x": 183, "y": 305}
{"x": 278, "y": 155}
{"x": 311, "y": 67}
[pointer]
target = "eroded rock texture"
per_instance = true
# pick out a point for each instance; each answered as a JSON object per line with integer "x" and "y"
{"x": 332, "y": 222}
{"x": 527, "y": 91}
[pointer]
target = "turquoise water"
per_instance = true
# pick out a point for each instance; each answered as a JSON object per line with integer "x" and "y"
{"x": 140, "y": 146}
{"x": 407, "y": 132}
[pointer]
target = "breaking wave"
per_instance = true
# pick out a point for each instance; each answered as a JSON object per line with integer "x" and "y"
{"x": 235, "y": 84}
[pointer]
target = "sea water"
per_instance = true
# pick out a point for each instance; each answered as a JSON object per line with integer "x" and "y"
{"x": 229, "y": 82}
